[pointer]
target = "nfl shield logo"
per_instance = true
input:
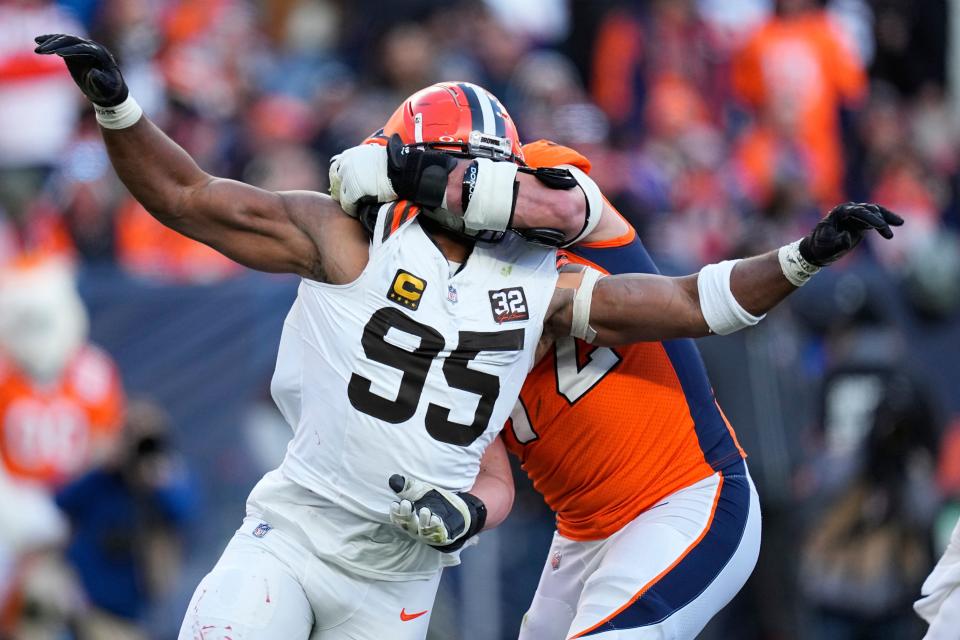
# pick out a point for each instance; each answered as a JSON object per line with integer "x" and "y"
{"x": 261, "y": 530}
{"x": 555, "y": 560}
{"x": 451, "y": 293}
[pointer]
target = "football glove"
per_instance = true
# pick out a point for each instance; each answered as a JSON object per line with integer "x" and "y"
{"x": 842, "y": 230}
{"x": 437, "y": 517}
{"x": 359, "y": 175}
{"x": 92, "y": 66}
{"x": 372, "y": 171}
{"x": 418, "y": 173}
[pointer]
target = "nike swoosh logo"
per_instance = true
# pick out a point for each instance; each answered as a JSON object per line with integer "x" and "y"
{"x": 407, "y": 617}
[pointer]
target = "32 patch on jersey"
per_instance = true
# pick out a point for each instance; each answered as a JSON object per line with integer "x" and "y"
{"x": 407, "y": 289}
{"x": 509, "y": 305}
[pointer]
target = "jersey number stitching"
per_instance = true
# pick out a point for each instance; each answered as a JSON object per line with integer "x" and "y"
{"x": 573, "y": 382}
{"x": 415, "y": 366}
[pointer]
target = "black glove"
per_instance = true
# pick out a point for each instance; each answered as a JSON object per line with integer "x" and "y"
{"x": 842, "y": 230}
{"x": 92, "y": 66}
{"x": 418, "y": 173}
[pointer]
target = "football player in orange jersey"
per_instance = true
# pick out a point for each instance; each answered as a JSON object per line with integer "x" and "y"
{"x": 61, "y": 400}
{"x": 658, "y": 521}
{"x": 61, "y": 405}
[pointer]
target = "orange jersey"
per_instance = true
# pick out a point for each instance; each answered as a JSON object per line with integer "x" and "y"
{"x": 802, "y": 62}
{"x": 50, "y": 433}
{"x": 605, "y": 434}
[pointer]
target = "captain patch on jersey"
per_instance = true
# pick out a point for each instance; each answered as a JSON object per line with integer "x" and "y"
{"x": 407, "y": 289}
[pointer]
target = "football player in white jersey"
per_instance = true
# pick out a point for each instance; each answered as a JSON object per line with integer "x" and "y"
{"x": 404, "y": 351}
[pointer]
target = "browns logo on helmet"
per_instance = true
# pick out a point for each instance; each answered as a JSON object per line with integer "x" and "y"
{"x": 458, "y": 117}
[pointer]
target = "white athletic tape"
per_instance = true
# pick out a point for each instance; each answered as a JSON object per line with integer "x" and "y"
{"x": 795, "y": 269}
{"x": 126, "y": 114}
{"x": 720, "y": 308}
{"x": 582, "y": 299}
{"x": 491, "y": 203}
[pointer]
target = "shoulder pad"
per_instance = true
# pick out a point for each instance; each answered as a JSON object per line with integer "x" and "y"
{"x": 544, "y": 153}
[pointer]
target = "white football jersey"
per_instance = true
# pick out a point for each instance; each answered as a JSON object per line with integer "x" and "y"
{"x": 409, "y": 370}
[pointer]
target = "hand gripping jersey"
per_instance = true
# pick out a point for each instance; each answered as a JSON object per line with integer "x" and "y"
{"x": 407, "y": 369}
{"x": 49, "y": 433}
{"x": 605, "y": 434}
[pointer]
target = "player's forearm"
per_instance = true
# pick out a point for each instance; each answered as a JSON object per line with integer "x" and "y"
{"x": 497, "y": 493}
{"x": 156, "y": 170}
{"x": 758, "y": 283}
{"x": 635, "y": 308}
{"x": 494, "y": 483}
{"x": 631, "y": 308}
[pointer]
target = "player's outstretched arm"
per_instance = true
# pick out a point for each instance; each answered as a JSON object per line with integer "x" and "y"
{"x": 278, "y": 232}
{"x": 721, "y": 299}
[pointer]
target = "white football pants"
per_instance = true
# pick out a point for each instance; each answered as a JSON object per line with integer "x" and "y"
{"x": 267, "y": 587}
{"x": 663, "y": 576}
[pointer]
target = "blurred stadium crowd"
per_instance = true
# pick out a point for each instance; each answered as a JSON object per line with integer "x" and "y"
{"x": 718, "y": 127}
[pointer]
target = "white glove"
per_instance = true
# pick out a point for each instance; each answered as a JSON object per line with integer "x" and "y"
{"x": 360, "y": 172}
{"x": 435, "y": 516}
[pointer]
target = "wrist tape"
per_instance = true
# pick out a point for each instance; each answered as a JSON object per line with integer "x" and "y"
{"x": 720, "y": 308}
{"x": 489, "y": 195}
{"x": 582, "y": 300}
{"x": 794, "y": 266}
{"x": 126, "y": 114}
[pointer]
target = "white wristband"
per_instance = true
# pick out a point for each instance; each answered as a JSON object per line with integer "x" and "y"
{"x": 794, "y": 267}
{"x": 720, "y": 308}
{"x": 126, "y": 114}
{"x": 491, "y": 203}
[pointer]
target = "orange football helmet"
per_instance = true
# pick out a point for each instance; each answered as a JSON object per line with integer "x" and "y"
{"x": 458, "y": 117}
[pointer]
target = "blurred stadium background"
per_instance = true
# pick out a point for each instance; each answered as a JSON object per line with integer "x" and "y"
{"x": 719, "y": 127}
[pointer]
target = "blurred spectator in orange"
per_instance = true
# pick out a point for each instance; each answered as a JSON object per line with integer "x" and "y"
{"x": 147, "y": 249}
{"x": 61, "y": 401}
{"x": 680, "y": 180}
{"x": 795, "y": 73}
{"x": 635, "y": 48}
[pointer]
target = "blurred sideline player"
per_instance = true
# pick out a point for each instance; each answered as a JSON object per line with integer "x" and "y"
{"x": 658, "y": 520}
{"x": 61, "y": 406}
{"x": 368, "y": 386}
